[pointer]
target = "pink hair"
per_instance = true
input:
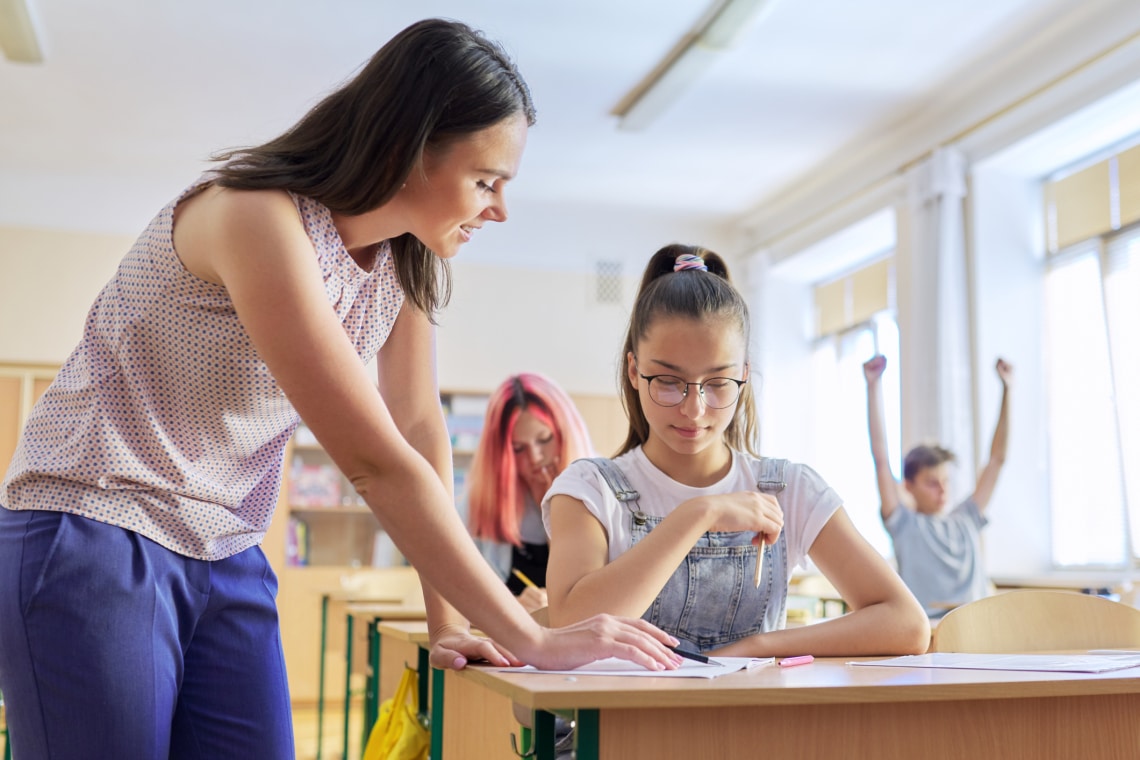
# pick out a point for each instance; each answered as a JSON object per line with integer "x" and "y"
{"x": 495, "y": 492}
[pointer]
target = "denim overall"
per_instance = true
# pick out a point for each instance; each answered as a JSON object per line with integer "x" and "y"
{"x": 710, "y": 600}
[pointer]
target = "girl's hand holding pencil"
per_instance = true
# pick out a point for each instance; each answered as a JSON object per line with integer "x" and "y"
{"x": 532, "y": 597}
{"x": 748, "y": 511}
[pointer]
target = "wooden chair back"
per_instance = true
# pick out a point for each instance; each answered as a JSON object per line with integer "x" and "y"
{"x": 1037, "y": 620}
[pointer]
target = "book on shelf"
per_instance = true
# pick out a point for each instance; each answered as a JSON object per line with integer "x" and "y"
{"x": 296, "y": 543}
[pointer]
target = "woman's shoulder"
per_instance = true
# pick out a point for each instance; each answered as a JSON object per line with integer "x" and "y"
{"x": 229, "y": 211}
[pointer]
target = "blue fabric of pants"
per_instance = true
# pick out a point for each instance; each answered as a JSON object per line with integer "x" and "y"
{"x": 112, "y": 646}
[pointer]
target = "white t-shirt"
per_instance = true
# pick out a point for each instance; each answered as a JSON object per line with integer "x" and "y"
{"x": 807, "y": 501}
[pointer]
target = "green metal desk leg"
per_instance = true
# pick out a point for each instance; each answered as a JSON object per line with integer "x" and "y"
{"x": 372, "y": 682}
{"x": 586, "y": 725}
{"x": 436, "y": 751}
{"x": 544, "y": 735}
{"x": 347, "y": 683}
{"x": 423, "y": 671}
{"x": 321, "y": 677}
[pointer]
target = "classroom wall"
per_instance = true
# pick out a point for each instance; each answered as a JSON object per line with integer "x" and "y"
{"x": 503, "y": 317}
{"x": 48, "y": 279}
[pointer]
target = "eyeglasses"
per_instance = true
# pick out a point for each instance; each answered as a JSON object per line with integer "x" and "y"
{"x": 716, "y": 392}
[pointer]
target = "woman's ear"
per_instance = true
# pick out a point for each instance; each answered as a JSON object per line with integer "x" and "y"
{"x": 631, "y": 369}
{"x": 747, "y": 371}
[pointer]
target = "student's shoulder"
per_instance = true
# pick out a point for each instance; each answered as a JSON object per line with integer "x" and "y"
{"x": 776, "y": 467}
{"x": 585, "y": 471}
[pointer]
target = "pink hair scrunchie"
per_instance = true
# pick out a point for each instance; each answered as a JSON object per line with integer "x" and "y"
{"x": 689, "y": 261}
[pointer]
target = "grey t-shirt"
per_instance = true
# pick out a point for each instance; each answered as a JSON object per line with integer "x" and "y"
{"x": 940, "y": 556}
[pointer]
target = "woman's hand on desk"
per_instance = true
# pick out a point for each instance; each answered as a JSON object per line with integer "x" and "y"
{"x": 596, "y": 638}
{"x": 454, "y": 646}
{"x": 603, "y": 636}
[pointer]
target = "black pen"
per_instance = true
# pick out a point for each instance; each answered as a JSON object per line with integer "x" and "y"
{"x": 689, "y": 655}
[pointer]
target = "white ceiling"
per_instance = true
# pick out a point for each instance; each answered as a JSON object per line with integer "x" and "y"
{"x": 135, "y": 94}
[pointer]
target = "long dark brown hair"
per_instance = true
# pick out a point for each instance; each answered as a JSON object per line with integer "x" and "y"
{"x": 434, "y": 82}
{"x": 694, "y": 294}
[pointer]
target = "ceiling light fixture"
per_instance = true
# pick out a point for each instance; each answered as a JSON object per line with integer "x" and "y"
{"x": 18, "y": 33}
{"x": 713, "y": 34}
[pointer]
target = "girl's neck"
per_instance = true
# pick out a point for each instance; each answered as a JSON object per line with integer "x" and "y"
{"x": 698, "y": 470}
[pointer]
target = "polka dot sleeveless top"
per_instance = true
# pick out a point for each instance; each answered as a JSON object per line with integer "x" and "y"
{"x": 164, "y": 420}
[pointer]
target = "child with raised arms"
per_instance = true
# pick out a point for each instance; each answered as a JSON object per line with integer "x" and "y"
{"x": 674, "y": 527}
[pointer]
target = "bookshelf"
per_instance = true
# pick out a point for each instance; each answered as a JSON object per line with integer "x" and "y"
{"x": 329, "y": 525}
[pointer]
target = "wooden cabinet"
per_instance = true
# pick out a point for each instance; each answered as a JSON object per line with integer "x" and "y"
{"x": 20, "y": 386}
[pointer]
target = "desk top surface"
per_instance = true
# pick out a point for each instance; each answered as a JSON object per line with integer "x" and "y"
{"x": 387, "y": 610}
{"x": 826, "y": 681}
{"x": 415, "y": 631}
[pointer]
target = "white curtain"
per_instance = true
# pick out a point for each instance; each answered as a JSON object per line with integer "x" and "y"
{"x": 933, "y": 309}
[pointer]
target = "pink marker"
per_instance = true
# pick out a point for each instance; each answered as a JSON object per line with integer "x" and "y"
{"x": 788, "y": 662}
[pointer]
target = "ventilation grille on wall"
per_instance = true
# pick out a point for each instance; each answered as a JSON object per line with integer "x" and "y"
{"x": 607, "y": 287}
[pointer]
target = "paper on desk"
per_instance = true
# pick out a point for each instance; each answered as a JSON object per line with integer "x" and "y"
{"x": 1051, "y": 663}
{"x": 612, "y": 666}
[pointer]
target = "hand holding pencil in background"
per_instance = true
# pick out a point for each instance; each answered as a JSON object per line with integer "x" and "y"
{"x": 532, "y": 597}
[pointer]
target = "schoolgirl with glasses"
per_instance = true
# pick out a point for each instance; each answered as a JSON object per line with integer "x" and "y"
{"x": 689, "y": 527}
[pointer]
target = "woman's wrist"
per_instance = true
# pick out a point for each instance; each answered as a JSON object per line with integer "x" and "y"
{"x": 437, "y": 632}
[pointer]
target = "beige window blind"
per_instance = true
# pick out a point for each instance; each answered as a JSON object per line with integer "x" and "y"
{"x": 1093, "y": 201}
{"x": 1128, "y": 171}
{"x": 850, "y": 300}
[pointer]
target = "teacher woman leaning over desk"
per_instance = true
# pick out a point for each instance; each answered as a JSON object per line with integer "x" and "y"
{"x": 137, "y": 612}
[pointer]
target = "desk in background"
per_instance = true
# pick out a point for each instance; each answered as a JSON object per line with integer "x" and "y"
{"x": 374, "y": 614}
{"x": 820, "y": 711}
{"x": 387, "y": 585}
{"x": 343, "y": 597}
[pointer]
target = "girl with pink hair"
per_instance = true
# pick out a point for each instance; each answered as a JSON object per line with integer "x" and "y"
{"x": 531, "y": 431}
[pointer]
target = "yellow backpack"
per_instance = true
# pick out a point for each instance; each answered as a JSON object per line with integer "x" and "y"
{"x": 399, "y": 733}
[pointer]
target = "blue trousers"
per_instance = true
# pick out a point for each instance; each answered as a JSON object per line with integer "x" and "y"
{"x": 112, "y": 646}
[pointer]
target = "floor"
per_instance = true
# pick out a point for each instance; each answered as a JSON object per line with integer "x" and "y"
{"x": 305, "y": 732}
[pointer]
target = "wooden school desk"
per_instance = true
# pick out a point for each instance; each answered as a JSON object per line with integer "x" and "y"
{"x": 827, "y": 710}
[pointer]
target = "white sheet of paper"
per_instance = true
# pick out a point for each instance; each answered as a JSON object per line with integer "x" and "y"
{"x": 717, "y": 666}
{"x": 1052, "y": 663}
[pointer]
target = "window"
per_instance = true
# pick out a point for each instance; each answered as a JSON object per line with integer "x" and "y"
{"x": 842, "y": 444}
{"x": 1092, "y": 345}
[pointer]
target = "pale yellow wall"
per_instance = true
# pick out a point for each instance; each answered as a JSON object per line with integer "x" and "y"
{"x": 501, "y": 319}
{"x": 500, "y": 322}
{"x": 48, "y": 279}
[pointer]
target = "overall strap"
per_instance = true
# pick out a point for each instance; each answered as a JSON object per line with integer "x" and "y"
{"x": 770, "y": 475}
{"x": 620, "y": 485}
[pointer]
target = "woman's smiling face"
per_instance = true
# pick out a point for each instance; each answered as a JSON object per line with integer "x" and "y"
{"x": 459, "y": 187}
